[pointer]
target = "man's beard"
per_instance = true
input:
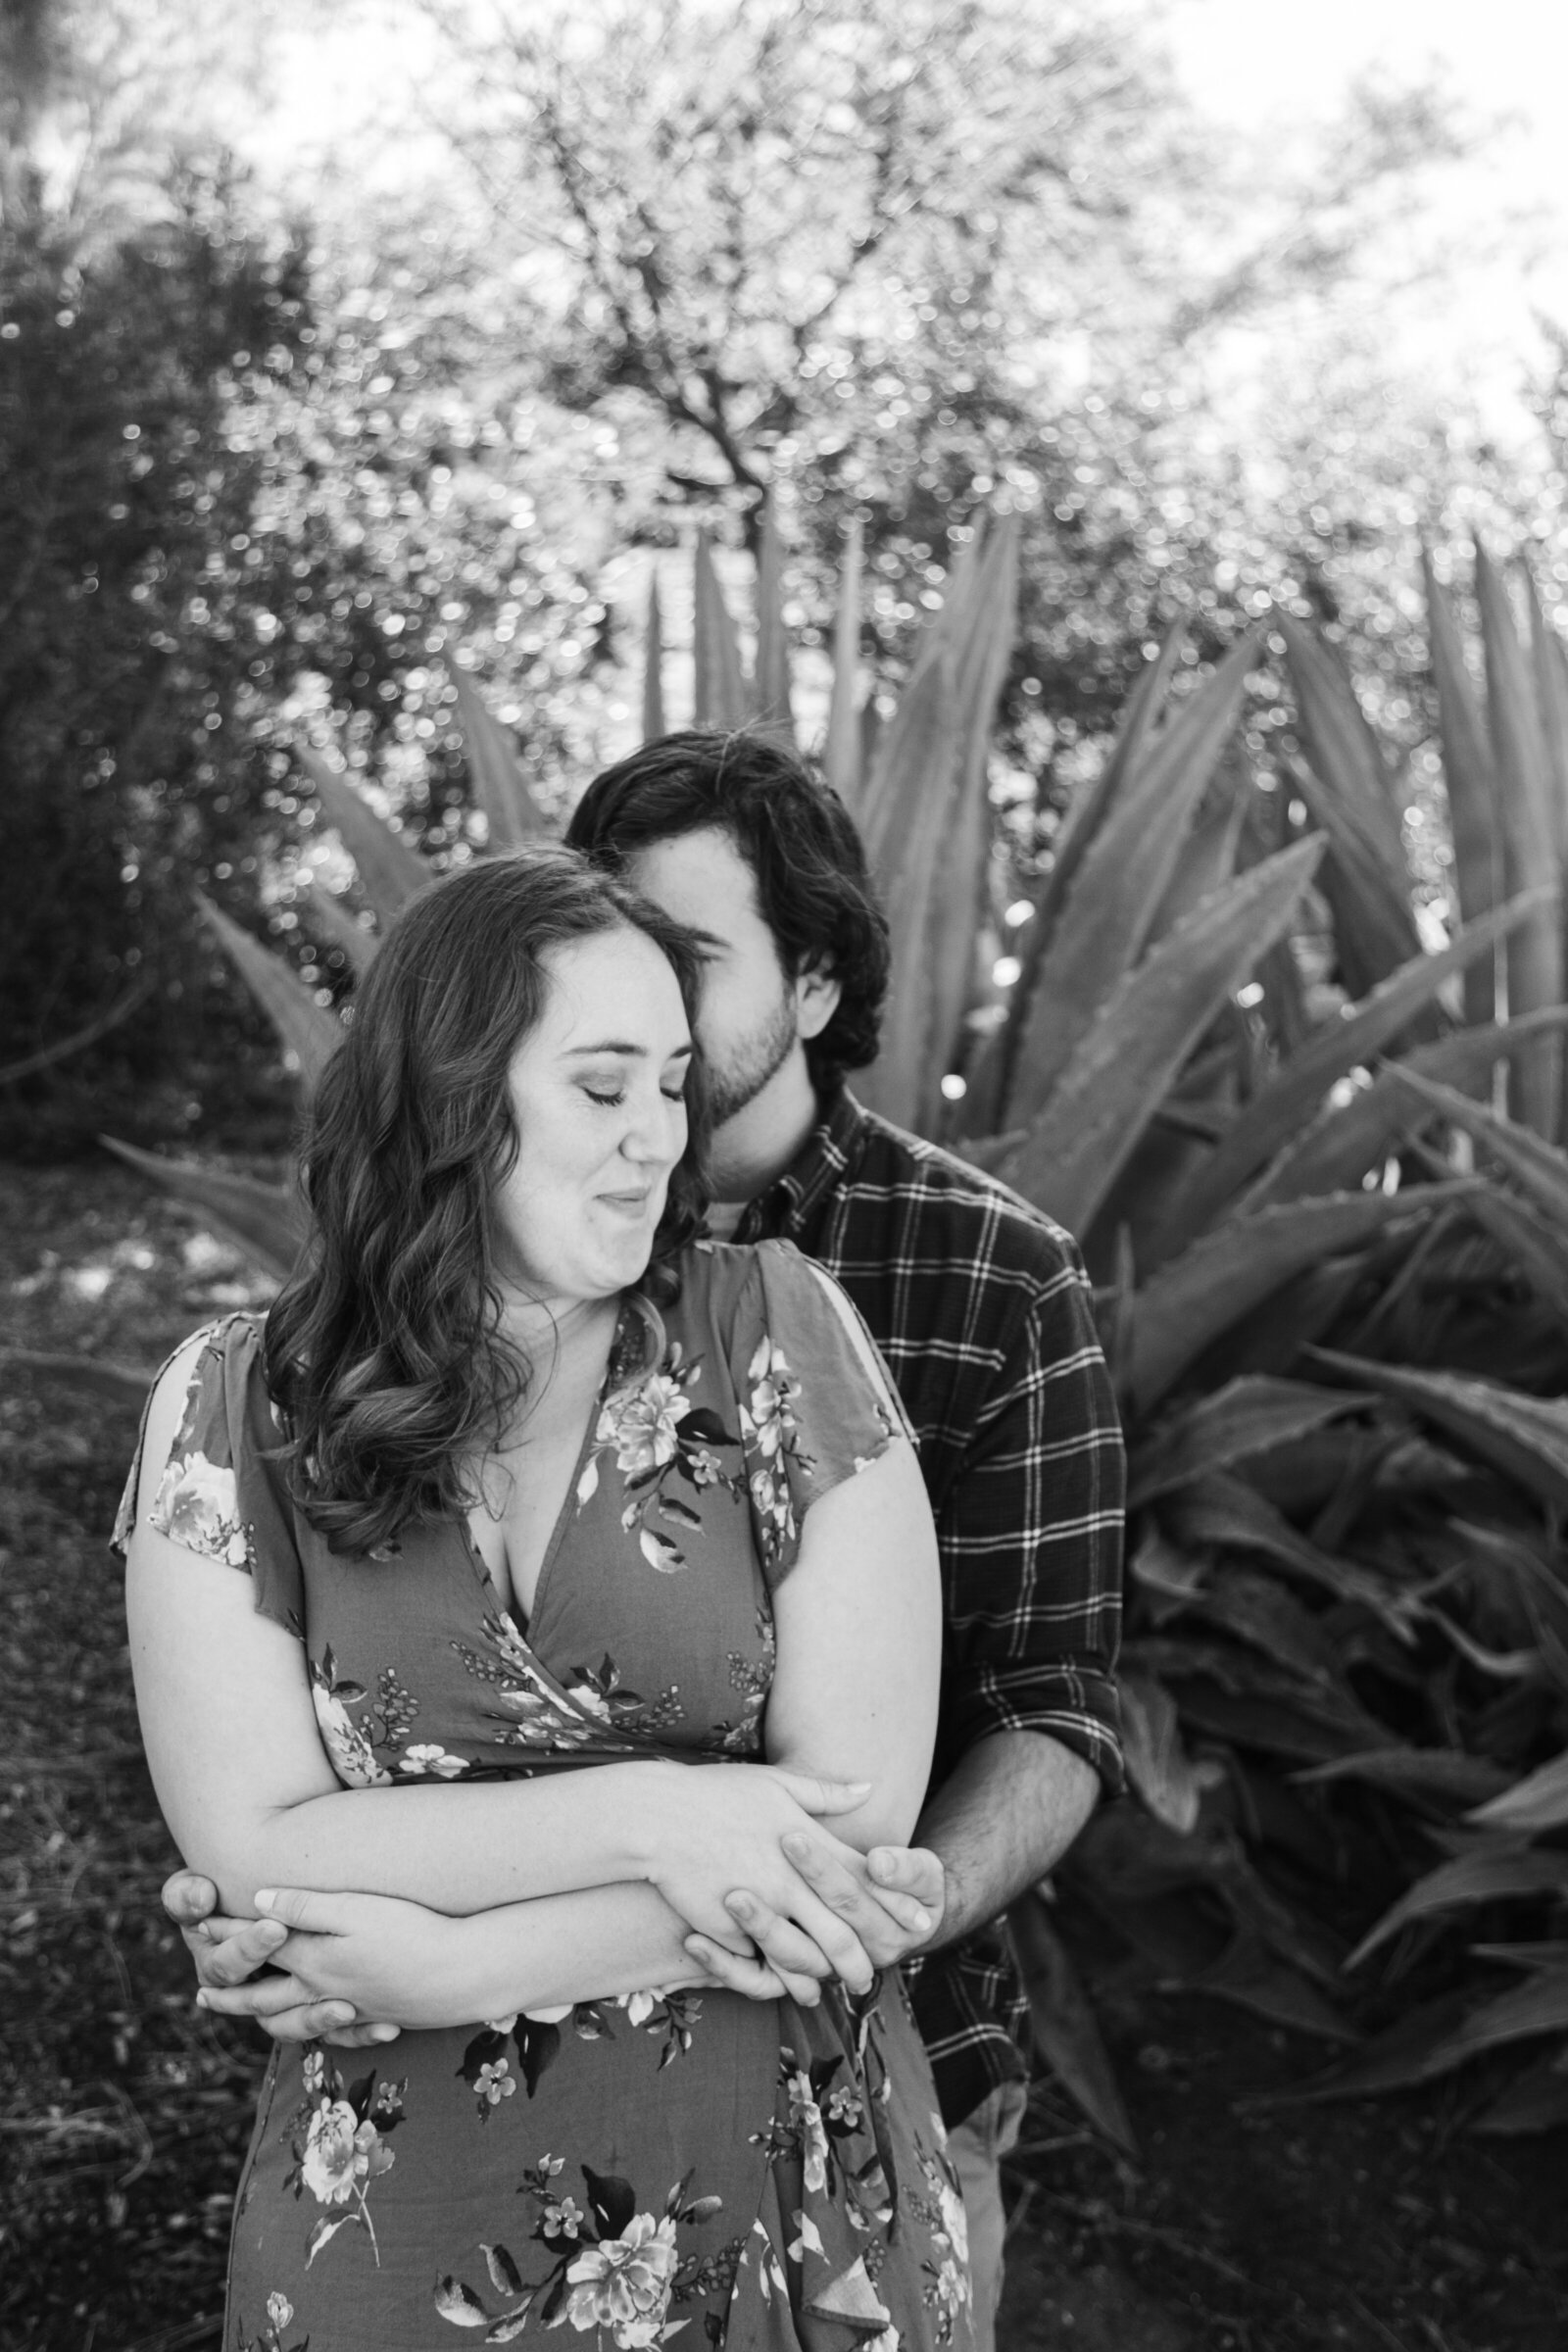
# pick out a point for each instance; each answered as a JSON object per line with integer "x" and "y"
{"x": 756, "y": 1060}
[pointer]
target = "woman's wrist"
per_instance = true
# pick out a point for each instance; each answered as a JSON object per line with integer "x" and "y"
{"x": 652, "y": 1801}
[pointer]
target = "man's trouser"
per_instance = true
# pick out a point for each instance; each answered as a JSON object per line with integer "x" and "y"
{"x": 977, "y": 2146}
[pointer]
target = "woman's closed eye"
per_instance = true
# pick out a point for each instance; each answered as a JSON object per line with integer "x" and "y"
{"x": 613, "y": 1102}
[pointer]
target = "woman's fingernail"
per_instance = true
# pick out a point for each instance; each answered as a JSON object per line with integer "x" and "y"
{"x": 202, "y": 2002}
{"x": 378, "y": 2032}
{"x": 739, "y": 1905}
{"x": 796, "y": 1844}
{"x": 266, "y": 1898}
{"x": 919, "y": 1920}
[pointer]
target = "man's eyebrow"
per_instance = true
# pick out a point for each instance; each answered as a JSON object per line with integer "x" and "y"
{"x": 617, "y": 1045}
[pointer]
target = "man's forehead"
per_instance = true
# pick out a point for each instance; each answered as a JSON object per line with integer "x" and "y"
{"x": 701, "y": 874}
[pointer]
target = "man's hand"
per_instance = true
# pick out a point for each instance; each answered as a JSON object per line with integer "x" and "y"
{"x": 893, "y": 1900}
{"x": 229, "y": 1952}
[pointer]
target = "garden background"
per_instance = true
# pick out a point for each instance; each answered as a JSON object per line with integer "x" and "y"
{"x": 1155, "y": 519}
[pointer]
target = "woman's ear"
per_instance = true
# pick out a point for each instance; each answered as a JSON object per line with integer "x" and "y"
{"x": 816, "y": 1001}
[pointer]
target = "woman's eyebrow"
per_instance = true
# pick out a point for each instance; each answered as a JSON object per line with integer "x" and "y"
{"x": 616, "y": 1045}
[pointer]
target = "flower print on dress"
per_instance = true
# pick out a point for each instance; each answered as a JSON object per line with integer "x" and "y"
{"x": 197, "y": 1506}
{"x": 824, "y": 2124}
{"x": 948, "y": 2291}
{"x": 752, "y": 1679}
{"x": 348, "y": 1746}
{"x": 613, "y": 2267}
{"x": 772, "y": 1440}
{"x": 591, "y": 1708}
{"x": 538, "y": 2037}
{"x": 656, "y": 1435}
{"x": 279, "y": 2317}
{"x": 338, "y": 2138}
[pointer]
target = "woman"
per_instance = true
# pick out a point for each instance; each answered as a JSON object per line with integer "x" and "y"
{"x": 521, "y": 1500}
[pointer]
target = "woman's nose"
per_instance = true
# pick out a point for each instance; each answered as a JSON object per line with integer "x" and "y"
{"x": 649, "y": 1132}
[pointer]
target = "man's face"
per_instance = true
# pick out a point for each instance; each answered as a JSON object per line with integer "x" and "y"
{"x": 749, "y": 1020}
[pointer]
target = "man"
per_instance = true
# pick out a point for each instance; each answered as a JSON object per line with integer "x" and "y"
{"x": 980, "y": 1308}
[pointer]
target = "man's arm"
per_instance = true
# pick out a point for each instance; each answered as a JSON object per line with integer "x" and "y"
{"x": 1003, "y": 1818}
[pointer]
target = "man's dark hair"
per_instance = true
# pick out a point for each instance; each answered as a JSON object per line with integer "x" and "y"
{"x": 798, "y": 839}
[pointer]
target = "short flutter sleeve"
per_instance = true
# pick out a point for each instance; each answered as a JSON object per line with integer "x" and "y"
{"x": 223, "y": 1493}
{"x": 817, "y": 1403}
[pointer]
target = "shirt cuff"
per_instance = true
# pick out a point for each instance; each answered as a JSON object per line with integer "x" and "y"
{"x": 1076, "y": 1705}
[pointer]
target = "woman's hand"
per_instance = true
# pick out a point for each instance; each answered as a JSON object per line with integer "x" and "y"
{"x": 719, "y": 1833}
{"x": 892, "y": 1898}
{"x": 347, "y": 1956}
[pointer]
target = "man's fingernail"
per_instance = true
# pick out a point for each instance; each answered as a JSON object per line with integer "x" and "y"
{"x": 739, "y": 1905}
{"x": 919, "y": 1920}
{"x": 279, "y": 1932}
{"x": 383, "y": 2032}
{"x": 266, "y": 1898}
{"x": 697, "y": 1947}
{"x": 797, "y": 1844}
{"x": 202, "y": 2002}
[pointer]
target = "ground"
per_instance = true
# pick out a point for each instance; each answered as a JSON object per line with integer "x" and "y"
{"x": 1248, "y": 2222}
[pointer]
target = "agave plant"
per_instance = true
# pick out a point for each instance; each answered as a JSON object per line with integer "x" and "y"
{"x": 1333, "y": 1278}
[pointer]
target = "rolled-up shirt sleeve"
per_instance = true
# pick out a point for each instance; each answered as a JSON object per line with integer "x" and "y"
{"x": 1031, "y": 1537}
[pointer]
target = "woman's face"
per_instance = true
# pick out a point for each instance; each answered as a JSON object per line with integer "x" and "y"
{"x": 597, "y": 1098}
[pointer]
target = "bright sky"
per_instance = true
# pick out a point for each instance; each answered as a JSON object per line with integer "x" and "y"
{"x": 1507, "y": 59}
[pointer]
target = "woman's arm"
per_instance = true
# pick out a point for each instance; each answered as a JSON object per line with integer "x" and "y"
{"x": 379, "y": 1958}
{"x": 858, "y": 1622}
{"x": 251, "y": 1799}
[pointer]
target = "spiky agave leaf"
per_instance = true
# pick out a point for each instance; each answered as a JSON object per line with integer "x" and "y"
{"x": 1070, "y": 1156}
{"x": 494, "y": 772}
{"x": 1346, "y": 790}
{"x": 333, "y": 922}
{"x": 1191, "y": 1301}
{"x": 841, "y": 752}
{"x": 390, "y": 873}
{"x": 1248, "y": 1415}
{"x": 967, "y": 613}
{"x": 1470, "y": 776}
{"x": 1082, "y": 820}
{"x": 722, "y": 697}
{"x": 654, "y": 663}
{"x": 1526, "y": 1438}
{"x": 1296, "y": 1094}
{"x": 956, "y": 902}
{"x": 1529, "y": 825}
{"x": 311, "y": 1031}
{"x": 1066, "y": 2032}
{"x": 1539, "y": 1168}
{"x": 771, "y": 695}
{"x": 1207, "y": 858}
{"x": 1338, "y": 1147}
{"x": 1124, "y": 874}
{"x": 267, "y": 1220}
{"x": 896, "y": 1082}
{"x": 931, "y": 837}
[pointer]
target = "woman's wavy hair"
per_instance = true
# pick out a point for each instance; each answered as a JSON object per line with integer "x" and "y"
{"x": 384, "y": 1351}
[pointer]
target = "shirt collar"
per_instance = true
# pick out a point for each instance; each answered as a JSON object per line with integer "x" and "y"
{"x": 829, "y": 1153}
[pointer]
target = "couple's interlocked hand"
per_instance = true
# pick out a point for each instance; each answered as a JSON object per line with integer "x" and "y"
{"x": 776, "y": 1904}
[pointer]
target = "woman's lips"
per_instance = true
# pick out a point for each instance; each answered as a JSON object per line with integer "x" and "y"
{"x": 626, "y": 1205}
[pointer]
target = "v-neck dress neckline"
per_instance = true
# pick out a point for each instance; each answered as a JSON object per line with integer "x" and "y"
{"x": 523, "y": 1621}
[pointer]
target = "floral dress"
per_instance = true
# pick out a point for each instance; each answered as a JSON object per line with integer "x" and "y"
{"x": 629, "y": 2168}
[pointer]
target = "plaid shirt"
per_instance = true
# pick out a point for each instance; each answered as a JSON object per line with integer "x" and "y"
{"x": 982, "y": 1310}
